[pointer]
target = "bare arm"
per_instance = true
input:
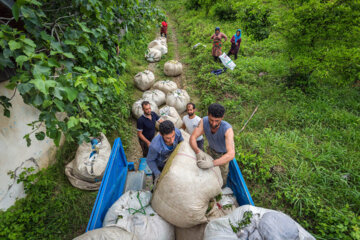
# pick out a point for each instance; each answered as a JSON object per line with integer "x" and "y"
{"x": 142, "y": 137}
{"x": 225, "y": 37}
{"x": 230, "y": 148}
{"x": 196, "y": 133}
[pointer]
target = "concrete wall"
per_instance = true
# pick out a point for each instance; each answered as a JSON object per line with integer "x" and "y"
{"x": 15, "y": 155}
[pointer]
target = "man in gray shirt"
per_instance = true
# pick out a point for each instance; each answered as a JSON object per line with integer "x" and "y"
{"x": 220, "y": 136}
{"x": 190, "y": 122}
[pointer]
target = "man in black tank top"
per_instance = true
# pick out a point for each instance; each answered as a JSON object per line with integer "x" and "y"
{"x": 220, "y": 136}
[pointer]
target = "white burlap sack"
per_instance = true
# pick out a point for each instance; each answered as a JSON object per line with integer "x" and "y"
{"x": 173, "y": 68}
{"x": 163, "y": 40}
{"x": 153, "y": 55}
{"x": 226, "y": 60}
{"x": 163, "y": 49}
{"x": 137, "y": 108}
{"x": 170, "y": 113}
{"x": 166, "y": 86}
{"x": 107, "y": 233}
{"x": 220, "y": 228}
{"x": 193, "y": 233}
{"x": 184, "y": 190}
{"x": 154, "y": 43}
{"x": 223, "y": 206}
{"x": 178, "y": 99}
{"x": 144, "y": 80}
{"x": 85, "y": 172}
{"x": 133, "y": 213}
{"x": 155, "y": 95}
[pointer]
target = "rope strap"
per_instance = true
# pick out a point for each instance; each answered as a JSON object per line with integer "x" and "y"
{"x": 141, "y": 210}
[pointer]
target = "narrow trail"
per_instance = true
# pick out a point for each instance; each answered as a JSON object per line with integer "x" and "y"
{"x": 180, "y": 80}
{"x": 134, "y": 152}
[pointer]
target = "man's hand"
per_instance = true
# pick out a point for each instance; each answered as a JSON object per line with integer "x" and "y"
{"x": 200, "y": 156}
{"x": 156, "y": 181}
{"x": 205, "y": 163}
{"x": 148, "y": 143}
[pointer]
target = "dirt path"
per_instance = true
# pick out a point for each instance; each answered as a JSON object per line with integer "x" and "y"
{"x": 134, "y": 151}
{"x": 180, "y": 80}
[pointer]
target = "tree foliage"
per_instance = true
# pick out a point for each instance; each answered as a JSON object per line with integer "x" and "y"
{"x": 69, "y": 59}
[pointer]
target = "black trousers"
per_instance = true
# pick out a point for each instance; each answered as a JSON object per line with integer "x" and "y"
{"x": 229, "y": 53}
{"x": 144, "y": 147}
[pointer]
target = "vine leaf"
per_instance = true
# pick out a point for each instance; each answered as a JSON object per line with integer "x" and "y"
{"x": 73, "y": 122}
{"x": 40, "y": 135}
{"x": 21, "y": 59}
{"x": 29, "y": 42}
{"x": 40, "y": 69}
{"x": 16, "y": 11}
{"x": 39, "y": 84}
{"x": 14, "y": 45}
{"x": 71, "y": 93}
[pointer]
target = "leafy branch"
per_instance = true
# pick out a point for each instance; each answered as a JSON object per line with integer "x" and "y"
{"x": 69, "y": 65}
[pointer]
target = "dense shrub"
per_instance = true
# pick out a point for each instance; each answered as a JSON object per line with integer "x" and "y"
{"x": 255, "y": 17}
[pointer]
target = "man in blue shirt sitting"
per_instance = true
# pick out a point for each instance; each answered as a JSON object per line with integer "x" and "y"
{"x": 162, "y": 146}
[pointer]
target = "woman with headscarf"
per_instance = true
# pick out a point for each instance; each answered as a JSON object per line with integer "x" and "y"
{"x": 217, "y": 43}
{"x": 235, "y": 43}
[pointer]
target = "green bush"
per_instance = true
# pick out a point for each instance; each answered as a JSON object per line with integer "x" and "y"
{"x": 321, "y": 41}
{"x": 69, "y": 60}
{"x": 255, "y": 16}
{"x": 223, "y": 11}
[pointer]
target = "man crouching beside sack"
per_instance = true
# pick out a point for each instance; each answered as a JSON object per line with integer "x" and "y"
{"x": 220, "y": 137}
{"x": 161, "y": 147}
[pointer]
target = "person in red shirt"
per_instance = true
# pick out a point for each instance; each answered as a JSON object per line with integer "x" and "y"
{"x": 163, "y": 29}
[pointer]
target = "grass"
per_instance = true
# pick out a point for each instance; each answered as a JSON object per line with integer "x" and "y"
{"x": 300, "y": 153}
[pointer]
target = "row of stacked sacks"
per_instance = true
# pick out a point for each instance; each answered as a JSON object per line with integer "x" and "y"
{"x": 188, "y": 203}
{"x": 156, "y": 49}
{"x": 160, "y": 93}
{"x": 144, "y": 80}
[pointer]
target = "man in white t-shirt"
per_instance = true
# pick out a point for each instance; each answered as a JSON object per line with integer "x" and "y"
{"x": 190, "y": 122}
